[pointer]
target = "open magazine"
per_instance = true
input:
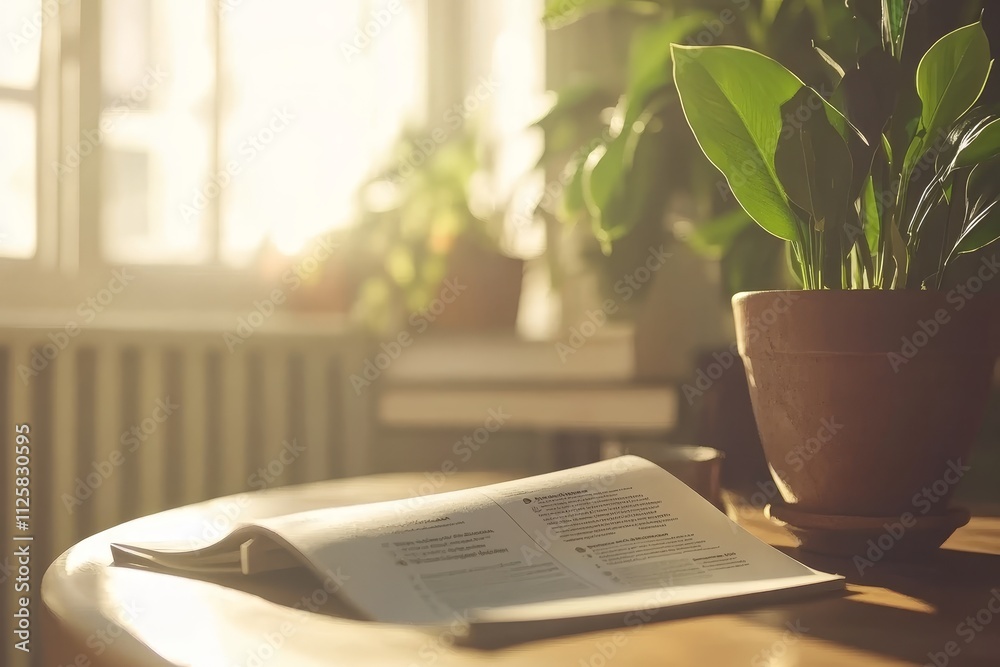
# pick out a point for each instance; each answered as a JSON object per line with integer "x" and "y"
{"x": 562, "y": 552}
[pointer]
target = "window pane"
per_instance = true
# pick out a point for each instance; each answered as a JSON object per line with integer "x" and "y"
{"x": 17, "y": 180}
{"x": 21, "y": 24}
{"x": 312, "y": 98}
{"x": 517, "y": 66}
{"x": 158, "y": 95}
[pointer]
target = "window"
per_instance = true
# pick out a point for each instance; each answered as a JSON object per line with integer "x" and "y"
{"x": 250, "y": 124}
{"x": 20, "y": 25}
{"x": 296, "y": 100}
{"x": 189, "y": 135}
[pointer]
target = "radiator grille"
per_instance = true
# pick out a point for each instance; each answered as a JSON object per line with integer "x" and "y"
{"x": 124, "y": 424}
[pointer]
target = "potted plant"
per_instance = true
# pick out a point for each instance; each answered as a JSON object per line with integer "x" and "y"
{"x": 426, "y": 248}
{"x": 868, "y": 385}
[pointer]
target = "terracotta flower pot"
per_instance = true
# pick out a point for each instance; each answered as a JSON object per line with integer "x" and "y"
{"x": 491, "y": 290}
{"x": 867, "y": 402}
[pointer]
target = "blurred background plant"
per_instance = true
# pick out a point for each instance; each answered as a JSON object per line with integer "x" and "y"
{"x": 425, "y": 217}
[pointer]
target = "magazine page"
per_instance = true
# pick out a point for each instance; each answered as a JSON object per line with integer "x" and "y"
{"x": 605, "y": 529}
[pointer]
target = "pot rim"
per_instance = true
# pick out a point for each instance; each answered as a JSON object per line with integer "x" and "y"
{"x": 858, "y": 296}
{"x": 881, "y": 320}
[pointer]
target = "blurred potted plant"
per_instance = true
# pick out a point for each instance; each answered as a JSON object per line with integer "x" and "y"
{"x": 883, "y": 362}
{"x": 427, "y": 243}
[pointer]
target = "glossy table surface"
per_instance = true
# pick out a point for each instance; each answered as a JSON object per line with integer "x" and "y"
{"x": 944, "y": 610}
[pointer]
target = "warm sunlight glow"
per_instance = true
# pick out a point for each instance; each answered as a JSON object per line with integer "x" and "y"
{"x": 308, "y": 98}
{"x": 20, "y": 26}
{"x": 310, "y": 104}
{"x": 160, "y": 609}
{"x": 887, "y": 598}
{"x": 17, "y": 181}
{"x": 155, "y": 132}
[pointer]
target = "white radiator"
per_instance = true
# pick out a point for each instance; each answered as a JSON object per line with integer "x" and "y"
{"x": 125, "y": 422}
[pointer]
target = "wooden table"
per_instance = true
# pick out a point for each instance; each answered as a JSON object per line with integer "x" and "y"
{"x": 893, "y": 614}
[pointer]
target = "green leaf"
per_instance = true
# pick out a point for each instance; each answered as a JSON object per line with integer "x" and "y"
{"x": 896, "y": 247}
{"x": 950, "y": 78}
{"x": 871, "y": 217}
{"x": 815, "y": 167}
{"x": 602, "y": 174}
{"x": 769, "y": 11}
{"x": 904, "y": 124}
{"x": 863, "y": 264}
{"x": 608, "y": 169}
{"x": 559, "y": 13}
{"x": 813, "y": 162}
{"x": 572, "y": 204}
{"x": 572, "y": 121}
{"x": 982, "y": 230}
{"x": 894, "y": 15}
{"x": 887, "y": 148}
{"x": 985, "y": 145}
{"x": 863, "y": 230}
{"x": 836, "y": 70}
{"x": 732, "y": 99}
{"x": 714, "y": 237}
{"x": 871, "y": 91}
{"x": 621, "y": 179}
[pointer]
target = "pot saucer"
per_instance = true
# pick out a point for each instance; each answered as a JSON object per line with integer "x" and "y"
{"x": 868, "y": 537}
